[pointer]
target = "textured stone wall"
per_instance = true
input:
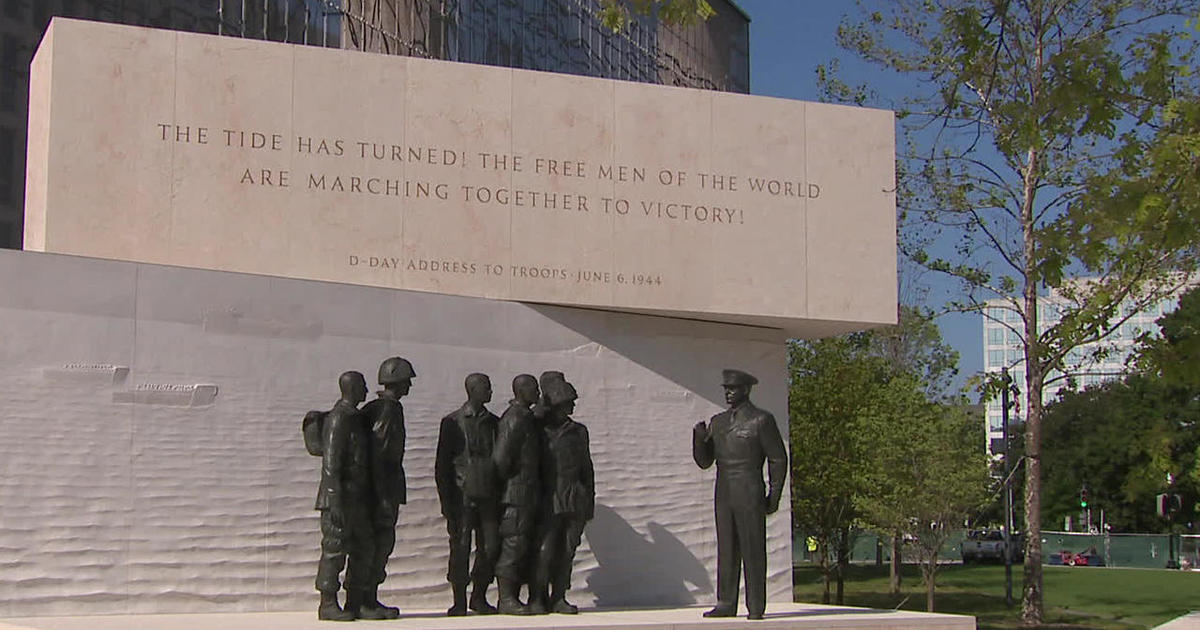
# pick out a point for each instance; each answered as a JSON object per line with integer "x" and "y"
{"x": 152, "y": 459}
{"x": 399, "y": 172}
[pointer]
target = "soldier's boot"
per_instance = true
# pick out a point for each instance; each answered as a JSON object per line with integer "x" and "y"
{"x": 537, "y": 599}
{"x": 479, "y": 602}
{"x": 460, "y": 601}
{"x": 559, "y": 583}
{"x": 372, "y": 609}
{"x": 560, "y": 605}
{"x": 329, "y": 609}
{"x": 509, "y": 603}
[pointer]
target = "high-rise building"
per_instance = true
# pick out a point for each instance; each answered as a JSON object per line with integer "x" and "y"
{"x": 552, "y": 35}
{"x": 1088, "y": 364}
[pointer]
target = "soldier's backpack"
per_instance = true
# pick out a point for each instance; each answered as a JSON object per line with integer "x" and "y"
{"x": 312, "y": 427}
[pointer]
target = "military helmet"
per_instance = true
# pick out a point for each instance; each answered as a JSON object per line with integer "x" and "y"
{"x": 395, "y": 370}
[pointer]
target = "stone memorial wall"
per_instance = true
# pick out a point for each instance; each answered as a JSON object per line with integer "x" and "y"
{"x": 153, "y": 459}
{"x": 240, "y": 155}
{"x": 227, "y": 225}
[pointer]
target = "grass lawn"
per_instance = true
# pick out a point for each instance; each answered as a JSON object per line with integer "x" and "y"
{"x": 1076, "y": 597}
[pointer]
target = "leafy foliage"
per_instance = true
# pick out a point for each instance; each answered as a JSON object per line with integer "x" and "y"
{"x": 928, "y": 472}
{"x": 1175, "y": 356}
{"x": 615, "y": 14}
{"x": 1043, "y": 140}
{"x": 876, "y": 443}
{"x": 1124, "y": 440}
{"x": 832, "y": 382}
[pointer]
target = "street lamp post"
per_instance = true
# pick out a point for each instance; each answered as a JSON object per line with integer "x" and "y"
{"x": 1008, "y": 519}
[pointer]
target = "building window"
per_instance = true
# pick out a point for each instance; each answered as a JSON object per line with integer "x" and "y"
{"x": 10, "y": 73}
{"x": 995, "y": 336}
{"x": 995, "y": 358}
{"x": 8, "y": 163}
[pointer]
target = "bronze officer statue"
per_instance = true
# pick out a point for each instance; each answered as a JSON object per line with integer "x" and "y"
{"x": 739, "y": 441}
{"x": 343, "y": 499}
{"x": 469, "y": 491}
{"x": 518, "y": 448}
{"x": 384, "y": 419}
{"x": 568, "y": 498}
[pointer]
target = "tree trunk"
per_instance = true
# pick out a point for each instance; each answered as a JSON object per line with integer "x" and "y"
{"x": 826, "y": 570}
{"x": 894, "y": 581}
{"x": 1032, "y": 601}
{"x": 843, "y": 563}
{"x": 930, "y": 582}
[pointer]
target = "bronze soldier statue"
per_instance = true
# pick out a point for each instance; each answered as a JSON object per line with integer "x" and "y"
{"x": 343, "y": 500}
{"x": 518, "y": 448}
{"x": 568, "y": 498}
{"x": 740, "y": 440}
{"x": 469, "y": 491}
{"x": 384, "y": 419}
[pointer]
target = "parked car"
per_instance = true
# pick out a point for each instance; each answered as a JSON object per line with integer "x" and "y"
{"x": 988, "y": 546}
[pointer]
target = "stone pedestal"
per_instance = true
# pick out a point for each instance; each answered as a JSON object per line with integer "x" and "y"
{"x": 780, "y": 617}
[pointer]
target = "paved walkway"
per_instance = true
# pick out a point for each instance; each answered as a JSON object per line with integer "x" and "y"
{"x": 1189, "y": 621}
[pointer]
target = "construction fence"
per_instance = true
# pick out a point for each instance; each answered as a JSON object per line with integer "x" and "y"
{"x": 1145, "y": 551}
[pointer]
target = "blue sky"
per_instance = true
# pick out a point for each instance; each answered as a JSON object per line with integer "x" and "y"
{"x": 788, "y": 40}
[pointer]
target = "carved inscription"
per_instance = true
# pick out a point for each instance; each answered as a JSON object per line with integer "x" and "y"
{"x": 374, "y": 167}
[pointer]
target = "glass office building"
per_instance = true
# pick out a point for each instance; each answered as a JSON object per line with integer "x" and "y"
{"x": 1086, "y": 365}
{"x": 551, "y": 35}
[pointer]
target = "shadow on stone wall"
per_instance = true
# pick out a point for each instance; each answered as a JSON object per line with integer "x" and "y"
{"x": 657, "y": 345}
{"x": 662, "y": 564}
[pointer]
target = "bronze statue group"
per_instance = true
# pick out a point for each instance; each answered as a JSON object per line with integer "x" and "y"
{"x": 521, "y": 487}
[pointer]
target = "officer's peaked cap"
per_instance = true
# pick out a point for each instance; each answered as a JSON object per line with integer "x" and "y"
{"x": 734, "y": 378}
{"x": 395, "y": 370}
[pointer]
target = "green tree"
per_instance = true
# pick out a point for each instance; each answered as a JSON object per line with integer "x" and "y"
{"x": 832, "y": 382}
{"x": 926, "y": 473}
{"x": 615, "y": 13}
{"x": 1175, "y": 355}
{"x": 1018, "y": 116}
{"x": 1123, "y": 440}
{"x": 914, "y": 347}
{"x": 949, "y": 472}
{"x": 866, "y": 412}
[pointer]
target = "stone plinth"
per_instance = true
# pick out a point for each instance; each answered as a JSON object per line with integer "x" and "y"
{"x": 778, "y": 617}
{"x": 239, "y": 155}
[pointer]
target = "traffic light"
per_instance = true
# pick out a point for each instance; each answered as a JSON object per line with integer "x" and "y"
{"x": 1083, "y": 497}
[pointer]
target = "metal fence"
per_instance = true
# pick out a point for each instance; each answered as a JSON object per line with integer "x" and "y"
{"x": 1146, "y": 551}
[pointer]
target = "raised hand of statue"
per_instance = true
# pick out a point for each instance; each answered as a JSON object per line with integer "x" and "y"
{"x": 701, "y": 429}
